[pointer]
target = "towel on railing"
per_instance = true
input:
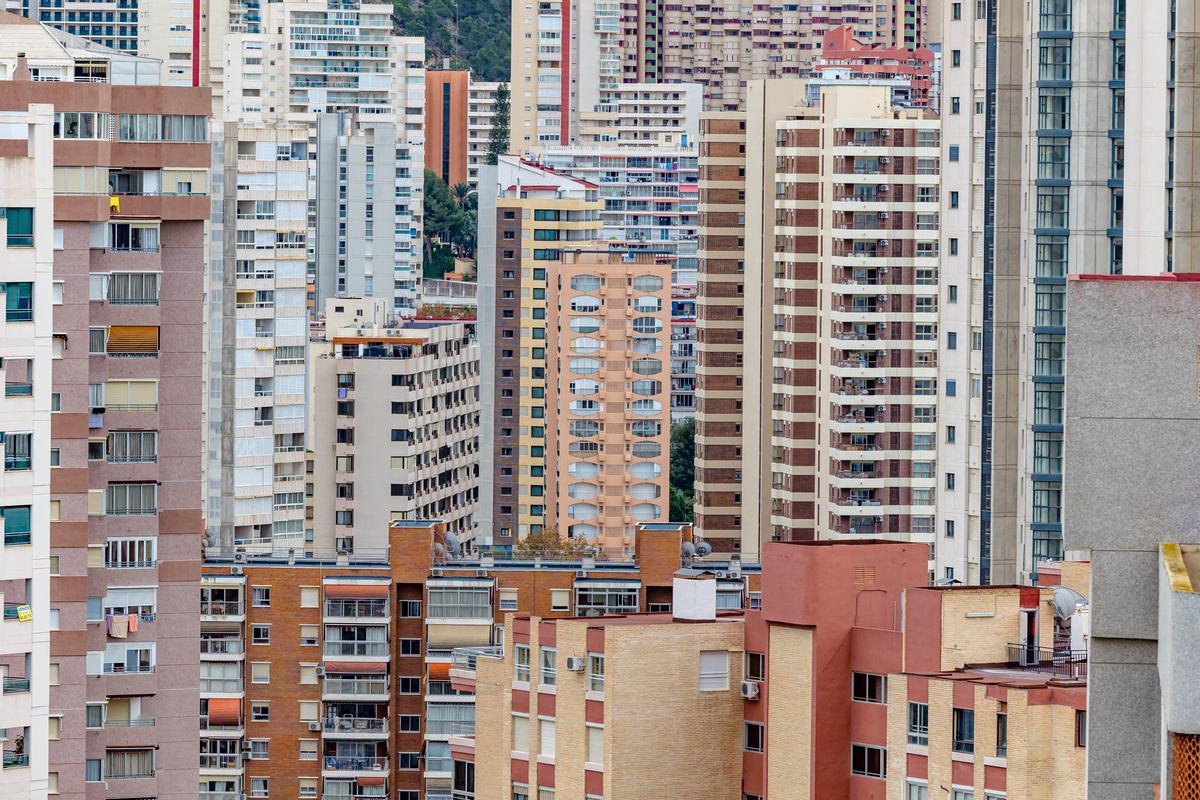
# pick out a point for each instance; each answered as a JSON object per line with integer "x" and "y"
{"x": 108, "y": 624}
{"x": 120, "y": 628}
{"x": 133, "y": 623}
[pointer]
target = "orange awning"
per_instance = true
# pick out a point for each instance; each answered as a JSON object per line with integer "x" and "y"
{"x": 366, "y": 668}
{"x": 356, "y": 591}
{"x": 224, "y": 710}
{"x": 439, "y": 671}
{"x": 370, "y": 780}
{"x": 133, "y": 339}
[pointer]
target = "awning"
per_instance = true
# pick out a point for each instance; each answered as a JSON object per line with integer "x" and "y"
{"x": 356, "y": 591}
{"x": 365, "y": 668}
{"x": 439, "y": 671}
{"x": 133, "y": 339}
{"x": 224, "y": 710}
{"x": 370, "y": 780}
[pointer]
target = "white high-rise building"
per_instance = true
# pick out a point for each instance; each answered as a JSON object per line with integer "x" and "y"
{"x": 27, "y": 347}
{"x": 481, "y": 108}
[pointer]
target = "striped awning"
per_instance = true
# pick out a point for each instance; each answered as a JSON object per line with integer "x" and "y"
{"x": 224, "y": 710}
{"x": 439, "y": 671}
{"x": 356, "y": 591}
{"x": 370, "y": 780}
{"x": 360, "y": 667}
{"x": 133, "y": 339}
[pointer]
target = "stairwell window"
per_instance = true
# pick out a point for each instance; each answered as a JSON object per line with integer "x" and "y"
{"x": 868, "y": 760}
{"x": 595, "y": 672}
{"x": 867, "y": 688}
{"x": 964, "y": 730}
{"x": 754, "y": 737}
{"x": 918, "y": 723}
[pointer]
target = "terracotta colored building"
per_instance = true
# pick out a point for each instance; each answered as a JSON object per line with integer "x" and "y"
{"x": 607, "y": 420}
{"x": 446, "y": 99}
{"x": 341, "y": 675}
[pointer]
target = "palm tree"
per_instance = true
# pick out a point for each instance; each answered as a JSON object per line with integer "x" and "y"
{"x": 463, "y": 194}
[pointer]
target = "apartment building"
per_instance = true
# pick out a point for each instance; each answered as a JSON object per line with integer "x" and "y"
{"x": 574, "y": 705}
{"x": 906, "y": 70}
{"x": 1129, "y": 407}
{"x": 607, "y": 412}
{"x": 650, "y": 198}
{"x": 353, "y": 676}
{"x": 27, "y": 349}
{"x": 542, "y": 74}
{"x": 970, "y": 692}
{"x": 683, "y": 353}
{"x": 416, "y": 386}
{"x": 257, "y": 353}
{"x": 641, "y": 115}
{"x": 528, "y": 215}
{"x": 169, "y": 33}
{"x": 481, "y": 111}
{"x": 128, "y": 237}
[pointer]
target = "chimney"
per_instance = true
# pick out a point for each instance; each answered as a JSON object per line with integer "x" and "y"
{"x": 21, "y": 72}
{"x": 694, "y": 598}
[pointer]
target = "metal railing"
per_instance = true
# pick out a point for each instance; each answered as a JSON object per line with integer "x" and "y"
{"x": 206, "y": 725}
{"x": 227, "y": 647}
{"x": 219, "y": 761}
{"x": 137, "y": 722}
{"x": 222, "y": 608}
{"x": 122, "y": 669}
{"x": 355, "y": 725}
{"x": 1064, "y": 662}
{"x": 17, "y": 538}
{"x": 12, "y": 760}
{"x": 355, "y": 763}
{"x": 371, "y": 649}
{"x": 467, "y": 657}
{"x": 356, "y": 609}
{"x": 356, "y": 686}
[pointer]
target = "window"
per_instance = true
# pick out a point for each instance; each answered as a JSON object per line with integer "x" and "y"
{"x": 1053, "y": 206}
{"x": 18, "y": 301}
{"x": 260, "y": 672}
{"x": 128, "y": 764}
{"x": 260, "y": 634}
{"x": 956, "y": 11}
{"x": 954, "y": 151}
{"x": 1047, "y": 453}
{"x": 560, "y": 599}
{"x": 918, "y": 723}
{"x": 1002, "y": 735}
{"x": 465, "y": 602}
{"x": 410, "y": 609}
{"x": 20, "y": 226}
{"x": 520, "y": 734}
{"x": 94, "y": 770}
{"x": 1054, "y": 60}
{"x": 867, "y": 688}
{"x": 308, "y": 635}
{"x": 521, "y": 663}
{"x": 595, "y": 672}
{"x": 964, "y": 730}
{"x": 410, "y": 723}
{"x": 546, "y": 735}
{"x": 308, "y": 749}
{"x": 954, "y": 199}
{"x": 951, "y": 434}
{"x": 94, "y": 716}
{"x": 131, "y": 498}
{"x": 1048, "y": 351}
{"x": 714, "y": 670}
{"x": 868, "y": 760}
{"x": 756, "y": 666}
{"x": 131, "y": 447}
{"x": 1054, "y": 109}
{"x": 260, "y": 596}
{"x": 1080, "y": 728}
{"x": 258, "y": 787}
{"x": 310, "y": 597}
{"x": 410, "y": 685}
{"x": 260, "y": 712}
{"x": 508, "y": 599}
{"x": 754, "y": 737}
{"x": 549, "y": 667}
{"x": 951, "y": 387}
{"x": 917, "y": 791}
{"x": 1051, "y": 306}
{"x": 962, "y": 794}
{"x": 595, "y": 744}
{"x": 1054, "y": 158}
{"x": 410, "y": 647}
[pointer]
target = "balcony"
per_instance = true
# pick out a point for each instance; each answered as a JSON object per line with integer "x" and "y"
{"x": 1062, "y": 662}
{"x": 357, "y": 609}
{"x": 354, "y": 764}
{"x": 127, "y": 669}
{"x": 356, "y": 649}
{"x": 222, "y": 608}
{"x": 356, "y": 726}
{"x": 222, "y": 647}
{"x": 466, "y": 658}
{"x": 135, "y": 722}
{"x": 358, "y": 688}
{"x": 219, "y": 761}
{"x": 13, "y": 760}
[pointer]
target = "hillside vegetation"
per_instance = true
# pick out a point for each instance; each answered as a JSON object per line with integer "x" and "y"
{"x": 471, "y": 33}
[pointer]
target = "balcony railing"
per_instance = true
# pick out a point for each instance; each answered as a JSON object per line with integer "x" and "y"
{"x": 355, "y": 763}
{"x": 1067, "y": 663}
{"x": 137, "y": 722}
{"x": 356, "y": 649}
{"x": 467, "y": 657}
{"x": 206, "y": 725}
{"x": 122, "y": 669}
{"x": 364, "y": 609}
{"x": 222, "y": 608}
{"x": 11, "y": 612}
{"x": 12, "y": 760}
{"x": 15, "y": 686}
{"x": 219, "y": 761}
{"x": 17, "y": 538}
{"x": 356, "y": 725}
{"x": 221, "y": 647}
{"x": 356, "y": 686}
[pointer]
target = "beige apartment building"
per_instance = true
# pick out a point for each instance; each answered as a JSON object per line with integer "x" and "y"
{"x": 416, "y": 386}
{"x": 608, "y": 423}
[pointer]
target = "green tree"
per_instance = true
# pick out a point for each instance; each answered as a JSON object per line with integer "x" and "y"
{"x": 683, "y": 469}
{"x": 498, "y": 140}
{"x": 463, "y": 194}
{"x": 549, "y": 545}
{"x": 449, "y": 226}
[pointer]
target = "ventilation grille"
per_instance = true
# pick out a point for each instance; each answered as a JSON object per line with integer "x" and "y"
{"x": 1186, "y": 755}
{"x": 864, "y": 575}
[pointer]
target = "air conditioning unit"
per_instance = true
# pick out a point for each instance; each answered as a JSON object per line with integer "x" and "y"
{"x": 884, "y": 242}
{"x": 581, "y": 573}
{"x": 319, "y": 672}
{"x": 883, "y": 325}
{"x": 246, "y": 747}
{"x": 749, "y": 690}
{"x": 883, "y": 215}
{"x": 235, "y": 570}
{"x": 575, "y": 664}
{"x": 884, "y": 133}
{"x": 435, "y": 573}
{"x": 883, "y": 159}
{"x": 314, "y": 726}
{"x": 240, "y": 558}
{"x": 481, "y": 573}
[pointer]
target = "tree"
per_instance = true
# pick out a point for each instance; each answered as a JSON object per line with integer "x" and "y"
{"x": 498, "y": 141}
{"x": 463, "y": 194}
{"x": 547, "y": 544}
{"x": 683, "y": 469}
{"x": 449, "y": 226}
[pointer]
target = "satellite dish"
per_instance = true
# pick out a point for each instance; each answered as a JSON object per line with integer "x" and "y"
{"x": 688, "y": 549}
{"x": 439, "y": 550}
{"x": 703, "y": 549}
{"x": 1066, "y": 600}
{"x": 452, "y": 545}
